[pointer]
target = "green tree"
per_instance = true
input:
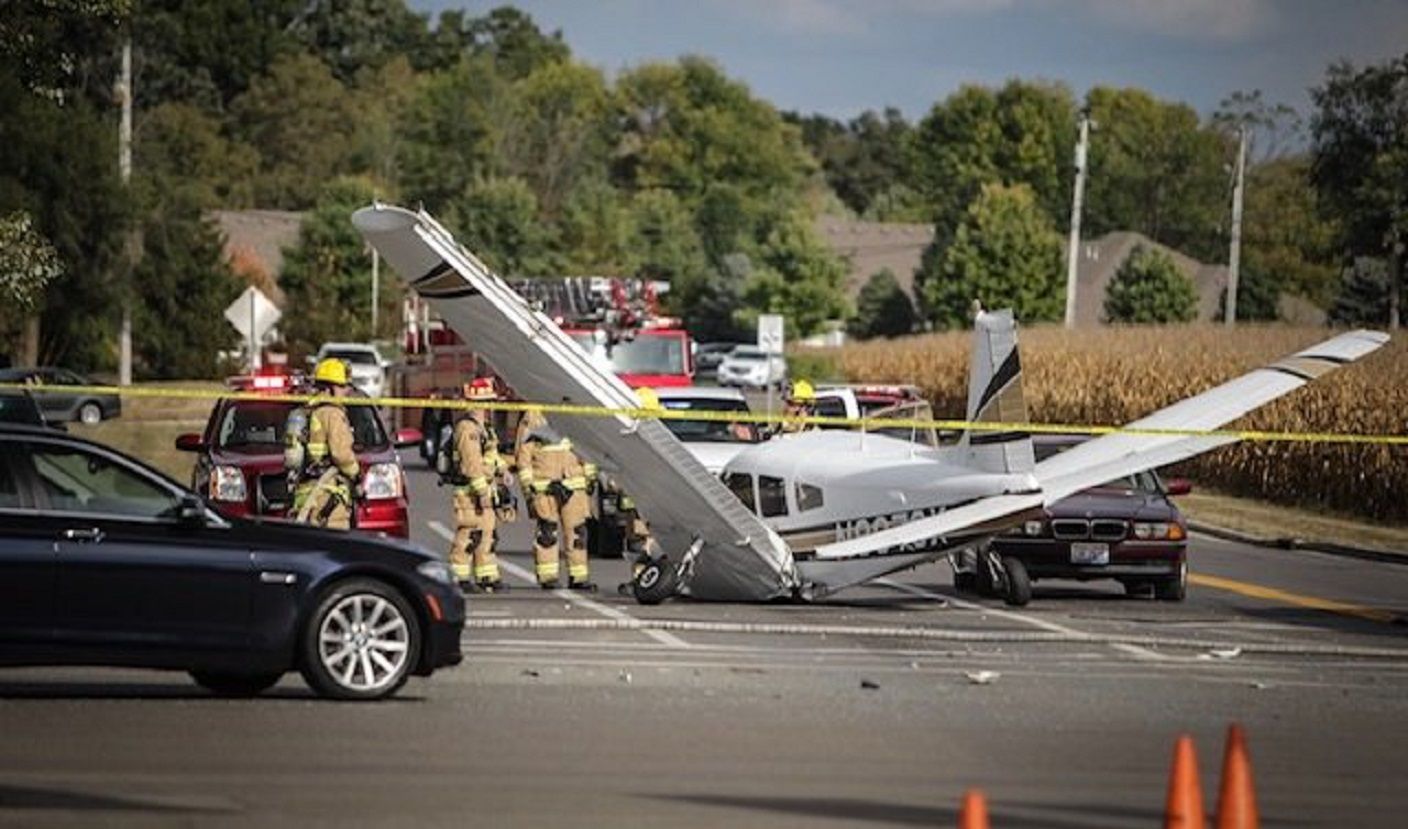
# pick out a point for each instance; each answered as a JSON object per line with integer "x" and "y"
{"x": 1004, "y": 254}
{"x": 1284, "y": 237}
{"x": 1258, "y": 296}
{"x": 515, "y": 44}
{"x": 665, "y": 242}
{"x": 208, "y": 53}
{"x": 861, "y": 159}
{"x": 1022, "y": 133}
{"x": 594, "y": 232}
{"x": 28, "y": 263}
{"x": 353, "y": 36}
{"x": 883, "y": 309}
{"x": 327, "y": 274}
{"x": 58, "y": 164}
{"x": 1155, "y": 170}
{"x": 1149, "y": 288}
{"x": 687, "y": 126}
{"x": 1363, "y": 296}
{"x": 453, "y": 132}
{"x": 794, "y": 275}
{"x": 182, "y": 286}
{"x": 300, "y": 119}
{"x": 559, "y": 132}
{"x": 497, "y": 218}
{"x": 1360, "y": 161}
{"x": 180, "y": 143}
{"x": 43, "y": 42}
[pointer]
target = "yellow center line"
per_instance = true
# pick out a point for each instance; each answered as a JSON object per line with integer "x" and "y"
{"x": 1257, "y": 591}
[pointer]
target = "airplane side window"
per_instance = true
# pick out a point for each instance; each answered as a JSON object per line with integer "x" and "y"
{"x": 808, "y": 497}
{"x": 741, "y": 485}
{"x": 772, "y": 496}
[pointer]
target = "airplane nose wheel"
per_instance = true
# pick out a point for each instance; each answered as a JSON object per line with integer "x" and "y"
{"x": 655, "y": 582}
{"x": 1004, "y": 576}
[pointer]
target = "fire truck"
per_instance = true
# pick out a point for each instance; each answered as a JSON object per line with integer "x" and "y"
{"x": 618, "y": 322}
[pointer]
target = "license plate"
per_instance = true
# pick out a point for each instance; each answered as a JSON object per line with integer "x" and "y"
{"x": 1085, "y": 553}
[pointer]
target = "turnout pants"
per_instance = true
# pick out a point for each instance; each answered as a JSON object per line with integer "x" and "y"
{"x": 323, "y": 502}
{"x": 472, "y": 552}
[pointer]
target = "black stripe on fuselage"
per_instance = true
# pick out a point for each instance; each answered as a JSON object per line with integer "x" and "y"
{"x": 1010, "y": 368}
{"x": 439, "y": 270}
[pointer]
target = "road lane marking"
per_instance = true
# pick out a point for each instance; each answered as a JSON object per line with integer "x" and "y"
{"x": 664, "y": 637}
{"x": 1257, "y": 591}
{"x": 1052, "y": 627}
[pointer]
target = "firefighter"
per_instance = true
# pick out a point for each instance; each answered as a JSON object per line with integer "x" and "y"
{"x": 319, "y": 454}
{"x": 523, "y": 451}
{"x": 801, "y": 403}
{"x": 561, "y": 502}
{"x": 474, "y": 465}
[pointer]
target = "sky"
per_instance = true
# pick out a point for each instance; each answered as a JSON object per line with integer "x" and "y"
{"x": 841, "y": 57}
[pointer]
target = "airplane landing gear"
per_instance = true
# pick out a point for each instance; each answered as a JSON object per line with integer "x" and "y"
{"x": 655, "y": 582}
{"x": 1003, "y": 576}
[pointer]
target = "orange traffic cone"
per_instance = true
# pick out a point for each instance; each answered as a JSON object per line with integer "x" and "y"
{"x": 1185, "y": 794}
{"x": 974, "y": 814}
{"x": 1236, "y": 799}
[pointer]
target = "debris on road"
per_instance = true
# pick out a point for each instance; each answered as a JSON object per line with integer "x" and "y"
{"x": 869, "y": 685}
{"x": 982, "y": 677}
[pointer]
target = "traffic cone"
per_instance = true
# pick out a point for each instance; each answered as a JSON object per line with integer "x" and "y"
{"x": 974, "y": 814}
{"x": 1185, "y": 794}
{"x": 1236, "y": 798}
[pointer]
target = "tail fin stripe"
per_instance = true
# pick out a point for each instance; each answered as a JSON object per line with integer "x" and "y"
{"x": 1010, "y": 370}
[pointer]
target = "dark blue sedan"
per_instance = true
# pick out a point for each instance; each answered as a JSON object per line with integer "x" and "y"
{"x": 105, "y": 561}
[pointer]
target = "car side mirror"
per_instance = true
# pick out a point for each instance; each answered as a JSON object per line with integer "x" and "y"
{"x": 189, "y": 442}
{"x": 1178, "y": 486}
{"x": 190, "y": 512}
{"x": 408, "y": 437}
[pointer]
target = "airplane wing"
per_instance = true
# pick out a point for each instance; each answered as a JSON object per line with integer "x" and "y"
{"x": 741, "y": 558}
{"x": 1114, "y": 456}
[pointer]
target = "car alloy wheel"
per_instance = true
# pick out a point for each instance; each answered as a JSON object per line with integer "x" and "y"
{"x": 89, "y": 413}
{"x": 366, "y": 639}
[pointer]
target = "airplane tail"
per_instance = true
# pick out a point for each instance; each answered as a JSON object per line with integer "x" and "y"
{"x": 995, "y": 396}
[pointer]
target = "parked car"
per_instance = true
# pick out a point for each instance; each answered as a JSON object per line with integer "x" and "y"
{"x": 751, "y": 367}
{"x": 708, "y": 356}
{"x": 240, "y": 463}
{"x": 365, "y": 365}
{"x": 105, "y": 561}
{"x": 713, "y": 442}
{"x": 1128, "y": 530}
{"x": 61, "y": 406}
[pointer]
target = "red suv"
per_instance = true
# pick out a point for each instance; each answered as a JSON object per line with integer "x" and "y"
{"x": 240, "y": 468}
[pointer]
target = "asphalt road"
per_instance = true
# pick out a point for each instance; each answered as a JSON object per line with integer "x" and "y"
{"x": 778, "y": 721}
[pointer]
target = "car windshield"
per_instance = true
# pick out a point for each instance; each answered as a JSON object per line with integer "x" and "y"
{"x": 747, "y": 354}
{"x": 646, "y": 354}
{"x": 257, "y": 427}
{"x": 1138, "y": 482}
{"x": 708, "y": 431}
{"x": 356, "y": 357}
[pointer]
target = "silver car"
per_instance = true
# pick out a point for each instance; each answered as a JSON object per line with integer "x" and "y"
{"x": 751, "y": 367}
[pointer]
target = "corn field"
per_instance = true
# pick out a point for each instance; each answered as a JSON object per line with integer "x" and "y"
{"x": 1110, "y": 376}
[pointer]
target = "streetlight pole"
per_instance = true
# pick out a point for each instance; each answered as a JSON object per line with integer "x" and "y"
{"x": 1234, "y": 257}
{"x": 1077, "y": 199}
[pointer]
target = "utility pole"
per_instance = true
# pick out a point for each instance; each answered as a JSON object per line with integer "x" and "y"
{"x": 1077, "y": 198}
{"x": 376, "y": 287}
{"x": 124, "y": 168}
{"x": 1234, "y": 257}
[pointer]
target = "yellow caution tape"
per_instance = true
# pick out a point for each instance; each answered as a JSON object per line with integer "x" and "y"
{"x": 635, "y": 413}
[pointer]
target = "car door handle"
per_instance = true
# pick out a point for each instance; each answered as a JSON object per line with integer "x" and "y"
{"x": 277, "y": 577}
{"x": 84, "y": 534}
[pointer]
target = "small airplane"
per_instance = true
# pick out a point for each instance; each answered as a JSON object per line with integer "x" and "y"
{"x": 833, "y": 509}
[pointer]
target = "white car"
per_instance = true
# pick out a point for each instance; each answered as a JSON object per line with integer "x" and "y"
{"x": 712, "y": 442}
{"x": 751, "y": 367}
{"x": 366, "y": 366}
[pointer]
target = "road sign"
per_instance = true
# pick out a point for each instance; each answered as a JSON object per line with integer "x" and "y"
{"x": 253, "y": 314}
{"x": 770, "y": 333}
